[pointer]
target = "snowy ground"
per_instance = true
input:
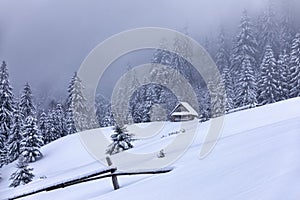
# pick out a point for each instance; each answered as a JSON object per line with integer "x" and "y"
{"x": 257, "y": 157}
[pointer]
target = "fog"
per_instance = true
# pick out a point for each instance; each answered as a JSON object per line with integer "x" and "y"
{"x": 45, "y": 41}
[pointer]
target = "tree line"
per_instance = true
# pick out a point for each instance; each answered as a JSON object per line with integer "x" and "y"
{"x": 23, "y": 131}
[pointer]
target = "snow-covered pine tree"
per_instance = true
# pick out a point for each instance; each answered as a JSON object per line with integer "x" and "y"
{"x": 26, "y": 103}
{"x": 284, "y": 75}
{"x": 146, "y": 110}
{"x": 246, "y": 87}
{"x": 222, "y": 61}
{"x": 141, "y": 106}
{"x": 6, "y": 112}
{"x": 295, "y": 67}
{"x": 4, "y": 157}
{"x": 51, "y": 133}
{"x": 268, "y": 84}
{"x": 31, "y": 140}
{"x": 23, "y": 175}
{"x": 108, "y": 120}
{"x": 43, "y": 125}
{"x": 15, "y": 137}
{"x": 103, "y": 112}
{"x": 217, "y": 99}
{"x": 204, "y": 105}
{"x": 3, "y": 151}
{"x": 77, "y": 103}
{"x": 243, "y": 63}
{"x": 59, "y": 121}
{"x": 70, "y": 124}
{"x": 268, "y": 33}
{"x": 122, "y": 140}
{"x": 6, "y": 104}
{"x": 229, "y": 89}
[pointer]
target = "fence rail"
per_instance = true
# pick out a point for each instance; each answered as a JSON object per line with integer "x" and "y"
{"x": 106, "y": 173}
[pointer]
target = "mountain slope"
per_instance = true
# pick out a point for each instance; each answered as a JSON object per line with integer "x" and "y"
{"x": 257, "y": 157}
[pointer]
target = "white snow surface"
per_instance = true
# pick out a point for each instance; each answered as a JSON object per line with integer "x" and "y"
{"x": 257, "y": 157}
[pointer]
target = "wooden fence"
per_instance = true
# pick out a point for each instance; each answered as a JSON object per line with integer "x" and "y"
{"x": 106, "y": 173}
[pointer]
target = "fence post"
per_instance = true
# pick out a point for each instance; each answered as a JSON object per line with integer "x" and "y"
{"x": 114, "y": 177}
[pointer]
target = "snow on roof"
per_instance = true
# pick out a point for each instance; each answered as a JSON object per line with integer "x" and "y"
{"x": 187, "y": 106}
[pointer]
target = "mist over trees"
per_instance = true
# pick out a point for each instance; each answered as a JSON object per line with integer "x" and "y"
{"x": 258, "y": 61}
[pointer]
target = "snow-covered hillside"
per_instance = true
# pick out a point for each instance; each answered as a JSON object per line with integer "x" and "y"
{"x": 257, "y": 157}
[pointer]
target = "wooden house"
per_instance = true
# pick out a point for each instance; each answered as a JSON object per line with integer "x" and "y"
{"x": 183, "y": 112}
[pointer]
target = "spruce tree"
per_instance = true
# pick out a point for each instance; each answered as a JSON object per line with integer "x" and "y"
{"x": 3, "y": 150}
{"x": 14, "y": 140}
{"x": 229, "y": 89}
{"x": 205, "y": 105}
{"x": 269, "y": 90}
{"x": 103, "y": 112}
{"x": 122, "y": 140}
{"x": 70, "y": 124}
{"x": 77, "y": 103}
{"x": 59, "y": 121}
{"x": 295, "y": 67}
{"x": 43, "y": 125}
{"x": 31, "y": 140}
{"x": 6, "y": 104}
{"x": 141, "y": 107}
{"x": 4, "y": 157}
{"x": 215, "y": 86}
{"x": 52, "y": 133}
{"x": 2, "y": 153}
{"x": 243, "y": 64}
{"x": 26, "y": 103}
{"x": 23, "y": 175}
{"x": 246, "y": 88}
{"x": 245, "y": 46}
{"x": 222, "y": 61}
{"x": 284, "y": 76}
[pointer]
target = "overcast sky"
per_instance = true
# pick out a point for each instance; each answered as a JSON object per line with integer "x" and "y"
{"x": 45, "y": 41}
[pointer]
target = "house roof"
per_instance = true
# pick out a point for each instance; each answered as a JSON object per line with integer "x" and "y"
{"x": 189, "y": 110}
